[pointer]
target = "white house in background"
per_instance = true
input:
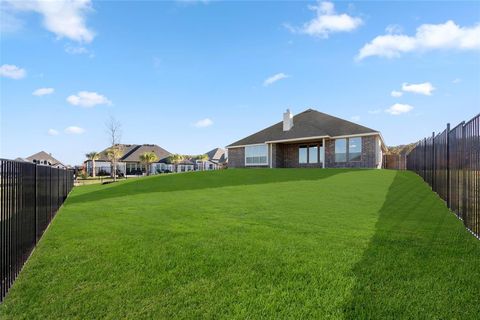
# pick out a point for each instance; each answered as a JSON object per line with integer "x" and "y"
{"x": 45, "y": 159}
{"x": 129, "y": 163}
{"x": 217, "y": 159}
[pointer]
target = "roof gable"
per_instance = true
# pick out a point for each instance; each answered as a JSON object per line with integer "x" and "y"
{"x": 217, "y": 154}
{"x": 309, "y": 123}
{"x": 132, "y": 152}
{"x": 42, "y": 155}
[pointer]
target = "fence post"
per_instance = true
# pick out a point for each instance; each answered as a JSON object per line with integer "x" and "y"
{"x": 36, "y": 204}
{"x": 50, "y": 196}
{"x": 424, "y": 158}
{"x": 447, "y": 135}
{"x": 433, "y": 161}
{"x": 464, "y": 173}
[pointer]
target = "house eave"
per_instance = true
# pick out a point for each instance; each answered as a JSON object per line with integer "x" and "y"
{"x": 298, "y": 139}
{"x": 245, "y": 145}
{"x": 311, "y": 138}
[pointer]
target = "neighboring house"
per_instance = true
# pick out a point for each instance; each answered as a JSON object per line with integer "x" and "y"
{"x": 183, "y": 166}
{"x": 310, "y": 139}
{"x": 216, "y": 160}
{"x": 45, "y": 159}
{"x": 129, "y": 163}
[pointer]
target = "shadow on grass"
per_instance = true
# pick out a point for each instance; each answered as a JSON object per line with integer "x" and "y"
{"x": 420, "y": 264}
{"x": 203, "y": 180}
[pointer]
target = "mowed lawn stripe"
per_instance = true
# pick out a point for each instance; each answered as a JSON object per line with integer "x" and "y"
{"x": 236, "y": 244}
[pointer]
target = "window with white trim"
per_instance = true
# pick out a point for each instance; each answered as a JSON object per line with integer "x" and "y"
{"x": 256, "y": 155}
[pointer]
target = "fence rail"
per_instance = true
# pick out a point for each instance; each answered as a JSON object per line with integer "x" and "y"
{"x": 450, "y": 163}
{"x": 30, "y": 195}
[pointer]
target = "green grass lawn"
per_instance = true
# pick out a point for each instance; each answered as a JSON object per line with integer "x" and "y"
{"x": 251, "y": 244}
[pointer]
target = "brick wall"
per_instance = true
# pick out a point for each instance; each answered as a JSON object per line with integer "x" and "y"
{"x": 286, "y": 156}
{"x": 368, "y": 154}
{"x": 236, "y": 157}
{"x": 277, "y": 156}
{"x": 290, "y": 156}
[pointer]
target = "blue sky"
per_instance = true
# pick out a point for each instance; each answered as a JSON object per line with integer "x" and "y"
{"x": 190, "y": 76}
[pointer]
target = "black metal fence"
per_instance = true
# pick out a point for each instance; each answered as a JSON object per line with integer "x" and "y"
{"x": 450, "y": 163}
{"x": 30, "y": 195}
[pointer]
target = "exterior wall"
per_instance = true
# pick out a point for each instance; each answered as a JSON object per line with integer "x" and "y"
{"x": 236, "y": 157}
{"x": 369, "y": 155}
{"x": 286, "y": 155}
{"x": 289, "y": 154}
{"x": 277, "y": 156}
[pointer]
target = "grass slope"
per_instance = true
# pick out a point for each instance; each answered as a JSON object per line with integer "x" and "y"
{"x": 251, "y": 244}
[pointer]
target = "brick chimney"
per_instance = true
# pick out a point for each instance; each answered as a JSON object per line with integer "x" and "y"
{"x": 287, "y": 120}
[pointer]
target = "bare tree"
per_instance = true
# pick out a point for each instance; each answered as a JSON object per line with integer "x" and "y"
{"x": 114, "y": 130}
{"x": 115, "y": 152}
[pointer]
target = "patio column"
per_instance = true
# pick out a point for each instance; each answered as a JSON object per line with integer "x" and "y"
{"x": 270, "y": 154}
{"x": 323, "y": 153}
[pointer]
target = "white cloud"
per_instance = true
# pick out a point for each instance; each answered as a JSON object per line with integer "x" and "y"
{"x": 355, "y": 118}
{"x": 65, "y": 18}
{"x": 396, "y": 94}
{"x": 427, "y": 37}
{"x": 9, "y": 22}
{"x": 457, "y": 80}
{"x": 275, "y": 78}
{"x": 425, "y": 88}
{"x": 393, "y": 29}
{"x": 327, "y": 21}
{"x": 76, "y": 50}
{"x": 207, "y": 122}
{"x": 12, "y": 71}
{"x": 399, "y": 108}
{"x": 88, "y": 99}
{"x": 376, "y": 111}
{"x": 74, "y": 130}
{"x": 43, "y": 91}
{"x": 52, "y": 132}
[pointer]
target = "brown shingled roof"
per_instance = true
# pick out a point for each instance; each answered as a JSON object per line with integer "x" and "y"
{"x": 42, "y": 155}
{"x": 134, "y": 155}
{"x": 132, "y": 152}
{"x": 216, "y": 155}
{"x": 309, "y": 123}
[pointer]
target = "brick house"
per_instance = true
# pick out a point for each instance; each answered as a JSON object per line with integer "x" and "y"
{"x": 310, "y": 139}
{"x": 129, "y": 163}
